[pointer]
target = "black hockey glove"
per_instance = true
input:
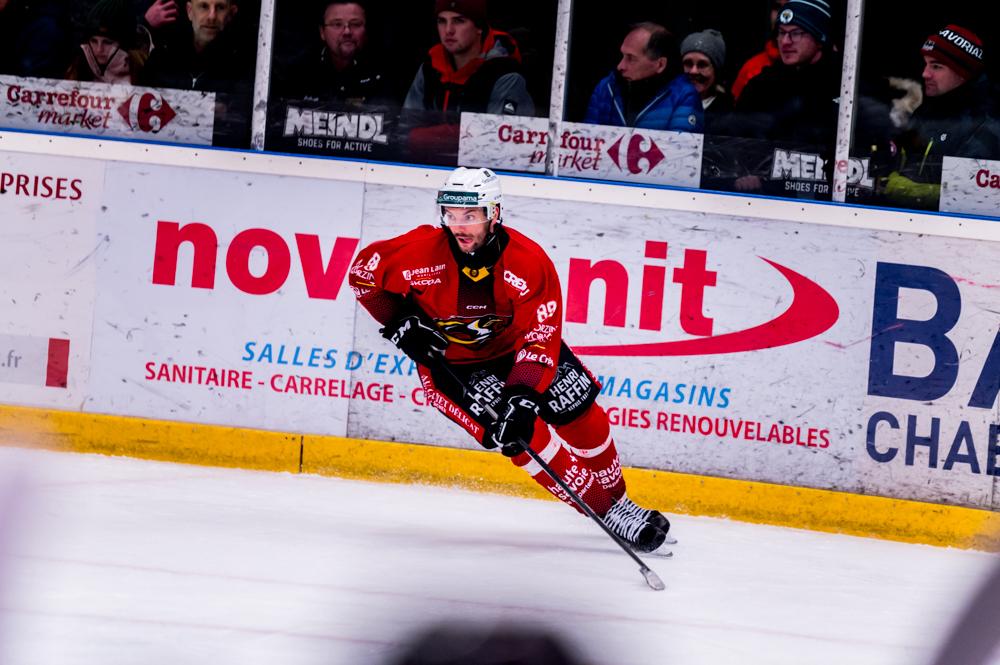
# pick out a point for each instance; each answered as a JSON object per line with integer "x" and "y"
{"x": 515, "y": 422}
{"x": 418, "y": 338}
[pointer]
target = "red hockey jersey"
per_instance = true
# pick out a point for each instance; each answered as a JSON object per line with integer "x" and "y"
{"x": 512, "y": 307}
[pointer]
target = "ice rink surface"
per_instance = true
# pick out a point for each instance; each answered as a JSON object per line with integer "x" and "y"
{"x": 116, "y": 561}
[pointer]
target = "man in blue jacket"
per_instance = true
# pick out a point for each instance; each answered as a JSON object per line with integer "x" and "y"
{"x": 641, "y": 92}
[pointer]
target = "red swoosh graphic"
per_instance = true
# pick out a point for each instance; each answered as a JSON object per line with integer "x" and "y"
{"x": 812, "y": 312}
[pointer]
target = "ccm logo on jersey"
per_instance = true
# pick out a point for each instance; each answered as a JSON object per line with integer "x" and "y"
{"x": 546, "y": 310}
{"x": 530, "y": 356}
{"x": 517, "y": 282}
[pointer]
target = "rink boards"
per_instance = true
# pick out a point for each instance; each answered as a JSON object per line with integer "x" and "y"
{"x": 786, "y": 362}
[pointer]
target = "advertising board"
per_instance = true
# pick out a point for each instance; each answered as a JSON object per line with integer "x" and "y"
{"x": 48, "y": 208}
{"x": 839, "y": 358}
{"x": 101, "y": 109}
{"x": 220, "y": 293}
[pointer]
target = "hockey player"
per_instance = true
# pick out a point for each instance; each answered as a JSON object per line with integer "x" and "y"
{"x": 486, "y": 299}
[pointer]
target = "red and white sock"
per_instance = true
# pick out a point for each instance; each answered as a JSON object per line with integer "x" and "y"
{"x": 589, "y": 437}
{"x": 573, "y": 470}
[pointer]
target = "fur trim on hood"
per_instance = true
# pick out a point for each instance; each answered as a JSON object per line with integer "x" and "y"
{"x": 904, "y": 106}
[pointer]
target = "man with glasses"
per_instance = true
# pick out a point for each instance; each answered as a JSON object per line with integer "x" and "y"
{"x": 344, "y": 69}
{"x": 797, "y": 98}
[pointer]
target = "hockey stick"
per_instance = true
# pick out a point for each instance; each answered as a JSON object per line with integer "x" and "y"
{"x": 652, "y": 579}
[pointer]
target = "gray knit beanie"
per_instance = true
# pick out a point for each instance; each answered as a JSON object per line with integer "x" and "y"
{"x": 709, "y": 42}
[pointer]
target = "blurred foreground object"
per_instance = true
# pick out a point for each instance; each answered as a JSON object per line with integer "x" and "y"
{"x": 974, "y": 638}
{"x": 472, "y": 644}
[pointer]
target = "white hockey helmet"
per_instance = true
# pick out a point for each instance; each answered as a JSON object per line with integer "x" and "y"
{"x": 471, "y": 188}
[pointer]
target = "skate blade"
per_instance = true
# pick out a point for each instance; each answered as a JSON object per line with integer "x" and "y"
{"x": 662, "y": 552}
{"x": 670, "y": 540}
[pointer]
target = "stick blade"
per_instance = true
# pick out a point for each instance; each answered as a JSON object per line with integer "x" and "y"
{"x": 652, "y": 579}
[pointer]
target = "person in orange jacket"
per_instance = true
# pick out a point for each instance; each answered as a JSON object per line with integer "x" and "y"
{"x": 765, "y": 58}
{"x": 473, "y": 68}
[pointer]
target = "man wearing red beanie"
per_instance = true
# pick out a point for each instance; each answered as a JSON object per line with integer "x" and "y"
{"x": 953, "y": 120}
{"x": 952, "y": 57}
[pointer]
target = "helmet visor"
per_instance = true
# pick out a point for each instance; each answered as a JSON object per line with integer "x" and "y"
{"x": 463, "y": 216}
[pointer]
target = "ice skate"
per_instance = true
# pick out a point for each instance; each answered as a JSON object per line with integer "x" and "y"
{"x": 654, "y": 517}
{"x": 624, "y": 521}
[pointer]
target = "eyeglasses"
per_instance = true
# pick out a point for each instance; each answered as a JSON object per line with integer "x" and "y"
{"x": 342, "y": 25}
{"x": 793, "y": 36}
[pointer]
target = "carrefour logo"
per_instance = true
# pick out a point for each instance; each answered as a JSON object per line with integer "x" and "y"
{"x": 146, "y": 112}
{"x": 634, "y": 153}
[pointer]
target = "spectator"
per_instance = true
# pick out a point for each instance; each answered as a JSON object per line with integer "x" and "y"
{"x": 641, "y": 92}
{"x": 208, "y": 58}
{"x": 703, "y": 55}
{"x": 954, "y": 118}
{"x": 110, "y": 52}
{"x": 796, "y": 99}
{"x": 769, "y": 56}
{"x": 473, "y": 68}
{"x": 344, "y": 69}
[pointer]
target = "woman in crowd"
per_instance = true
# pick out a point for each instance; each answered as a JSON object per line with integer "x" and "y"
{"x": 113, "y": 49}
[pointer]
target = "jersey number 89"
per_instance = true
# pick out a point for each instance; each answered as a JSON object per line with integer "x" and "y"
{"x": 546, "y": 310}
